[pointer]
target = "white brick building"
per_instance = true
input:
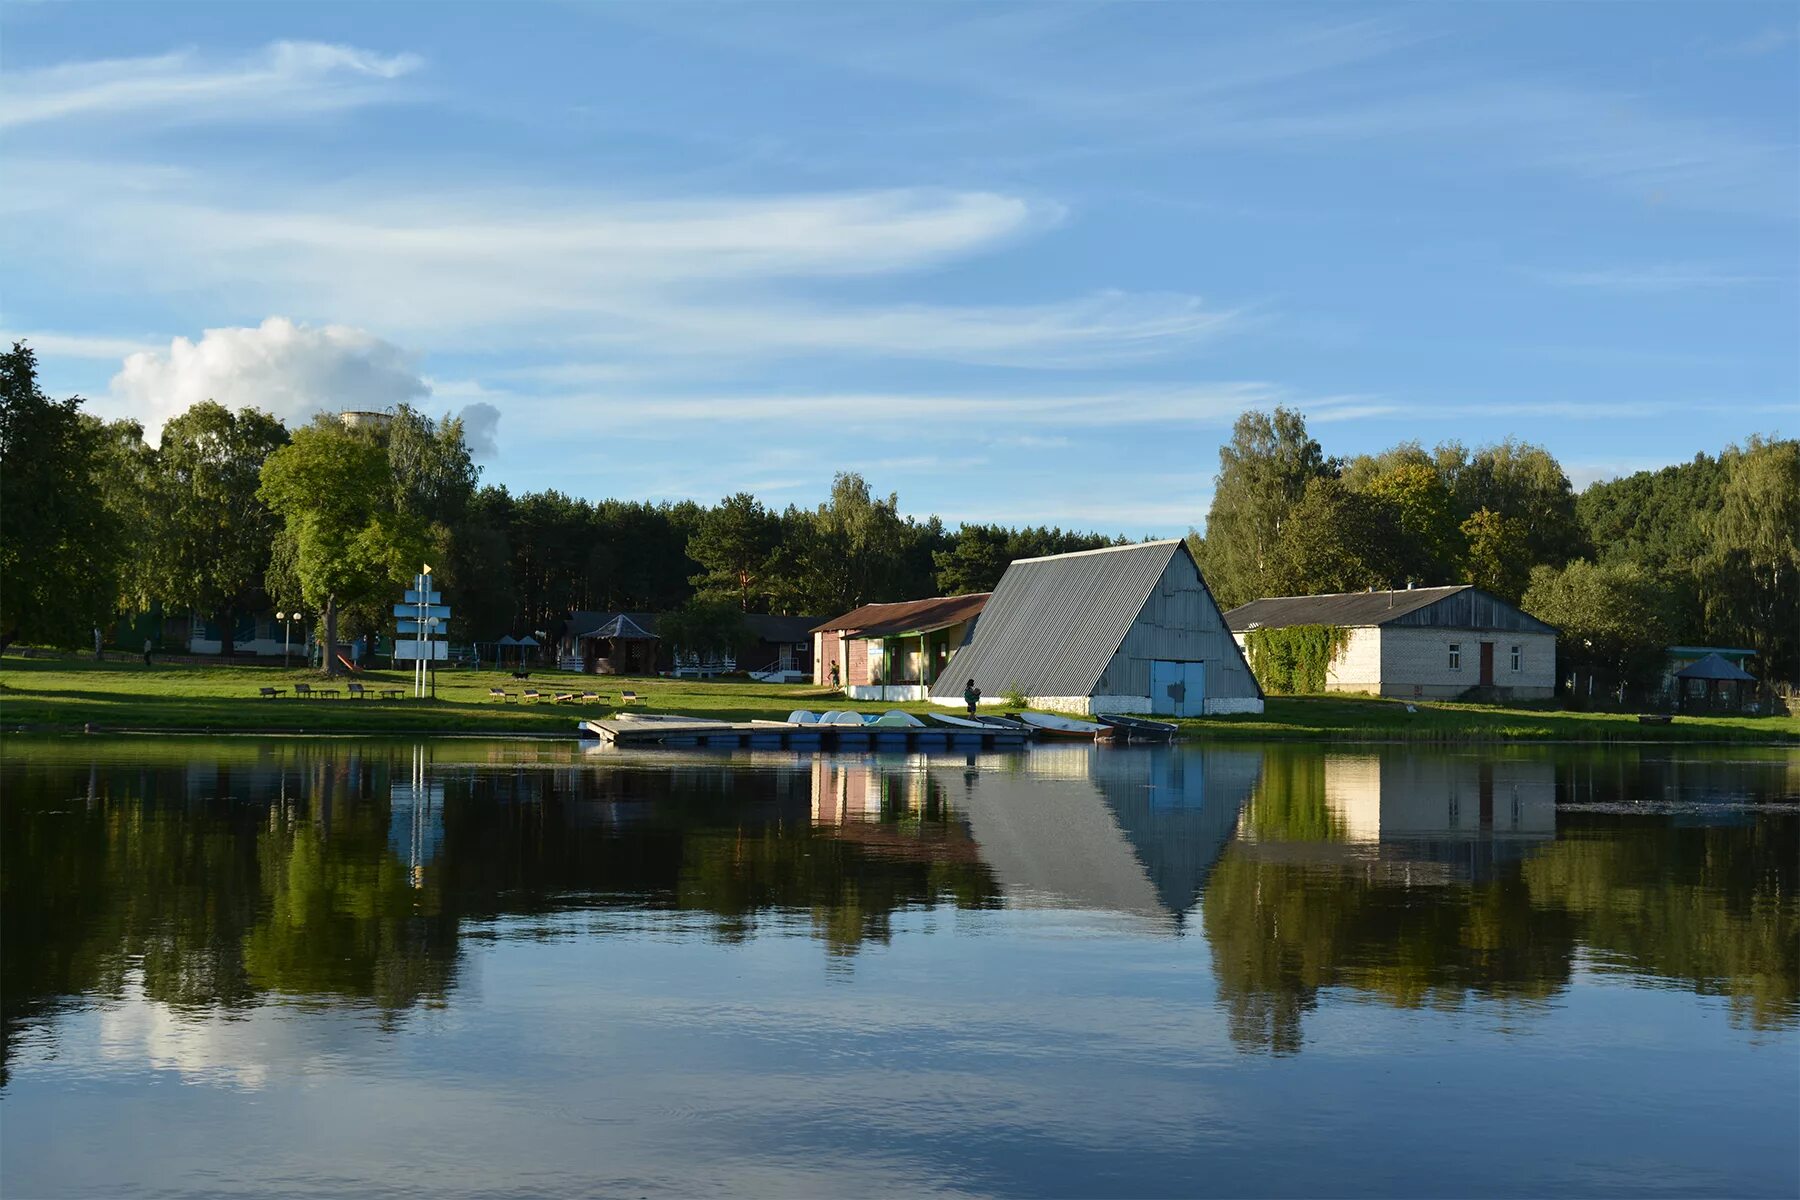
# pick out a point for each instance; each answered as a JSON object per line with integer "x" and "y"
{"x": 1423, "y": 643}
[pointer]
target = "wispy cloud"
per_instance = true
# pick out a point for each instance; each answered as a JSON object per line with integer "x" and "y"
{"x": 1652, "y": 278}
{"x": 1768, "y": 41}
{"x": 999, "y": 415}
{"x": 82, "y": 345}
{"x": 682, "y": 279}
{"x": 286, "y": 77}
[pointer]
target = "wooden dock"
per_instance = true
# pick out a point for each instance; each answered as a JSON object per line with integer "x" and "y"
{"x": 646, "y": 729}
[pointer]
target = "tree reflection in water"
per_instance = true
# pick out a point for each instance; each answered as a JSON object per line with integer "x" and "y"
{"x": 1425, "y": 880}
{"x": 219, "y": 875}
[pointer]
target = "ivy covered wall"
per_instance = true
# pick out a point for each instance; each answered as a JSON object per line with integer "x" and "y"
{"x": 1294, "y": 660}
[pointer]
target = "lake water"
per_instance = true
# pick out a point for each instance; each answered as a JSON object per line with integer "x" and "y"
{"x": 316, "y": 968}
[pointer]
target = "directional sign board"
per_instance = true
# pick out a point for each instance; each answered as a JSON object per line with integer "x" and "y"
{"x": 413, "y": 648}
{"x": 414, "y": 596}
{"x": 411, "y": 625}
{"x": 415, "y": 611}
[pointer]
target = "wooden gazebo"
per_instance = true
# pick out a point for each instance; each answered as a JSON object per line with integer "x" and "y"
{"x": 1714, "y": 684}
{"x": 619, "y": 647}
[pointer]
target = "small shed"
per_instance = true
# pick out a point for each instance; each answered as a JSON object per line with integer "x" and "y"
{"x": 893, "y": 651}
{"x": 1431, "y": 642}
{"x": 1125, "y": 629}
{"x": 1715, "y": 684}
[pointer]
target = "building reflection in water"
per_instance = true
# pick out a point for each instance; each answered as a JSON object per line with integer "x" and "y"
{"x": 231, "y": 874}
{"x": 1132, "y": 831}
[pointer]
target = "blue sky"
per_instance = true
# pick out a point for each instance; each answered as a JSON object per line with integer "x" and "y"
{"x": 1016, "y": 263}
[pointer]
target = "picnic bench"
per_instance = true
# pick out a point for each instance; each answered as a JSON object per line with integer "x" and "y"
{"x": 565, "y": 697}
{"x": 502, "y": 694}
{"x": 270, "y": 693}
{"x": 533, "y": 694}
{"x": 303, "y": 691}
{"x": 627, "y": 697}
{"x": 392, "y": 693}
{"x": 358, "y": 691}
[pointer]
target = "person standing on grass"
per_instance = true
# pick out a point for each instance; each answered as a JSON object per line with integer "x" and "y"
{"x": 834, "y": 676}
{"x": 146, "y": 652}
{"x": 971, "y": 696}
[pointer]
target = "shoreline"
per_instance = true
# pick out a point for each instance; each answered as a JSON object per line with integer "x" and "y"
{"x": 42, "y": 696}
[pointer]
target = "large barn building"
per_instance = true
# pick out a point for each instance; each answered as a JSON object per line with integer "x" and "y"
{"x": 1127, "y": 629}
{"x": 1421, "y": 643}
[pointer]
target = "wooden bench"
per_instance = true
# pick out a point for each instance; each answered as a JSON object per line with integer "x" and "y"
{"x": 358, "y": 691}
{"x": 565, "y": 697}
{"x": 270, "y": 693}
{"x": 533, "y": 694}
{"x": 627, "y": 697}
{"x": 501, "y": 694}
{"x": 303, "y": 691}
{"x": 589, "y": 697}
{"x": 392, "y": 693}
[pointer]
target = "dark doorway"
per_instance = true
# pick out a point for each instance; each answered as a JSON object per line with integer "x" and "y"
{"x": 1487, "y": 664}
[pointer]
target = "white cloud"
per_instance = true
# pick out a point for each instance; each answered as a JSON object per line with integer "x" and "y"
{"x": 281, "y": 367}
{"x": 286, "y": 77}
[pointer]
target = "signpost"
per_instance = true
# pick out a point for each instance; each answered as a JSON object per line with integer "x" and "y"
{"x": 424, "y": 616}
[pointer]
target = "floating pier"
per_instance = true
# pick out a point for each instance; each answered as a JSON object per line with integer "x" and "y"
{"x": 647, "y": 729}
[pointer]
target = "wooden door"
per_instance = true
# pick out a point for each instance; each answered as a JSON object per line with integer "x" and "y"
{"x": 1487, "y": 664}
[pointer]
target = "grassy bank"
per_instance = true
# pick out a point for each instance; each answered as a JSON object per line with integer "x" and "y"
{"x": 1360, "y": 718}
{"x": 68, "y": 694}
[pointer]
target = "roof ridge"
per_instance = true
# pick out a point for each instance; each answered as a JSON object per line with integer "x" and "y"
{"x": 1103, "y": 550}
{"x": 1436, "y": 587}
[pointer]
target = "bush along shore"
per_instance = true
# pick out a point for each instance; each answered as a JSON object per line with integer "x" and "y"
{"x": 69, "y": 695}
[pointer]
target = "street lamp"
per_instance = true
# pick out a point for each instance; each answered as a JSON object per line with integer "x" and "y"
{"x": 287, "y": 620}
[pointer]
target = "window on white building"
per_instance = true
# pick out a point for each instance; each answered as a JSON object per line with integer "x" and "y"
{"x": 1518, "y": 657}
{"x": 1456, "y": 656}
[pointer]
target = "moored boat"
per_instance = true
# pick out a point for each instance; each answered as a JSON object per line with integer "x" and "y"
{"x": 1049, "y": 725}
{"x": 1138, "y": 729}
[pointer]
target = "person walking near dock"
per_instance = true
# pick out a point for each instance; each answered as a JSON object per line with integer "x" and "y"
{"x": 971, "y": 696}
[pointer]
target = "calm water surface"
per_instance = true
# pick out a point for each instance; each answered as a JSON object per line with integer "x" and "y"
{"x": 464, "y": 968}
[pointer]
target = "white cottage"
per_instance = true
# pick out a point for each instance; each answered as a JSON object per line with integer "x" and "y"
{"x": 1420, "y": 643}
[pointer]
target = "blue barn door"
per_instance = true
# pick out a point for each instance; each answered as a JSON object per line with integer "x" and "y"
{"x": 1177, "y": 689}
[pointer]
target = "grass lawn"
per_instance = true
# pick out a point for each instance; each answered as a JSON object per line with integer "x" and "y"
{"x": 67, "y": 693}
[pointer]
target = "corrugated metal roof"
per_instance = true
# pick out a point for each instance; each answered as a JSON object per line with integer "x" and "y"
{"x": 1341, "y": 608}
{"x": 1054, "y": 623}
{"x": 908, "y": 616}
{"x": 1715, "y": 666}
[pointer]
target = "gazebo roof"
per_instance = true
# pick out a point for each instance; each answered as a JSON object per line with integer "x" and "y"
{"x": 622, "y": 629}
{"x": 1715, "y": 667}
{"x": 507, "y": 639}
{"x": 528, "y": 640}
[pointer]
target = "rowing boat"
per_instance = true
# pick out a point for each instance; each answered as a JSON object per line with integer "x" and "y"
{"x": 1137, "y": 729}
{"x": 1048, "y": 725}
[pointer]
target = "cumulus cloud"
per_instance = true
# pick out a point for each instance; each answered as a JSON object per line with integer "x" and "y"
{"x": 284, "y": 368}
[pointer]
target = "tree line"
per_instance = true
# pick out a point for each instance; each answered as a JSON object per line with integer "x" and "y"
{"x": 233, "y": 512}
{"x": 1701, "y": 553}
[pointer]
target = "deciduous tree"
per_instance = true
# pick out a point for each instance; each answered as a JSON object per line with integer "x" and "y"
{"x": 211, "y": 534}
{"x": 59, "y": 543}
